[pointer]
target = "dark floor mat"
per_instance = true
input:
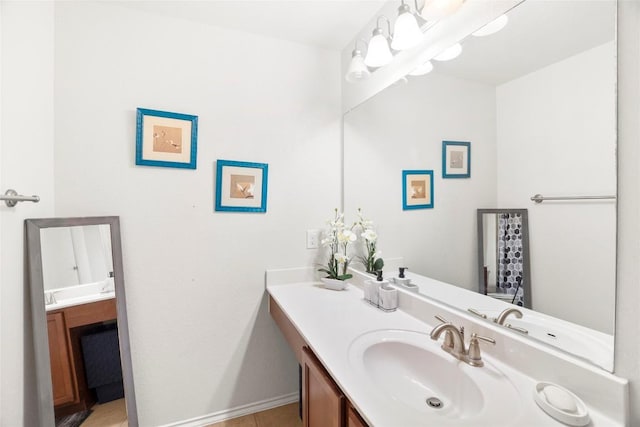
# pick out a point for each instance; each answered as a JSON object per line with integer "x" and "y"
{"x": 73, "y": 420}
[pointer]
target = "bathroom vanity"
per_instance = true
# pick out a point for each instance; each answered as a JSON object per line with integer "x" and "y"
{"x": 362, "y": 366}
{"x": 65, "y": 327}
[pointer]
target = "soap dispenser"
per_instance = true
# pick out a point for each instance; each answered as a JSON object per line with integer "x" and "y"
{"x": 380, "y": 279}
{"x": 372, "y": 289}
{"x": 401, "y": 280}
{"x": 370, "y": 292}
{"x": 405, "y": 282}
{"x": 387, "y": 296}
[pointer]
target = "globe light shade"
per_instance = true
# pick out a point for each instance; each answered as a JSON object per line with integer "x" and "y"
{"x": 406, "y": 32}
{"x": 438, "y": 9}
{"x": 449, "y": 53}
{"x": 492, "y": 27}
{"x": 357, "y": 71}
{"x": 423, "y": 69}
{"x": 378, "y": 52}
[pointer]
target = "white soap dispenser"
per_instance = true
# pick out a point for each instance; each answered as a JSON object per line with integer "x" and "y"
{"x": 387, "y": 295}
{"x": 405, "y": 282}
{"x": 372, "y": 289}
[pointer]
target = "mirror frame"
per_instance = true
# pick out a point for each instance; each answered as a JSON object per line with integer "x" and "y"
{"x": 526, "y": 271}
{"x": 39, "y": 319}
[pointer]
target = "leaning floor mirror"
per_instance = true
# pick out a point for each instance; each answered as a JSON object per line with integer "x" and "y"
{"x": 503, "y": 255}
{"x": 80, "y": 332}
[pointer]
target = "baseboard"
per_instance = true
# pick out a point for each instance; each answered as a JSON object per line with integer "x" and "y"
{"x": 238, "y": 411}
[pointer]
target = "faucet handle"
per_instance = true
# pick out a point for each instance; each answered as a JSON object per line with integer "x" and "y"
{"x": 474, "y": 358}
{"x": 476, "y": 312}
{"x": 516, "y": 328}
{"x": 440, "y": 318}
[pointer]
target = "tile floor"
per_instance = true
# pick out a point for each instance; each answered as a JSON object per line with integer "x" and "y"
{"x": 282, "y": 416}
{"x": 110, "y": 414}
{"x": 114, "y": 414}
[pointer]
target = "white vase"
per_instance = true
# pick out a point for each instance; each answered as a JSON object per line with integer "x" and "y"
{"x": 334, "y": 284}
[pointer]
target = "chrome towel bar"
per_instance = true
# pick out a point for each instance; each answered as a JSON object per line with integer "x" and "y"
{"x": 11, "y": 198}
{"x": 539, "y": 198}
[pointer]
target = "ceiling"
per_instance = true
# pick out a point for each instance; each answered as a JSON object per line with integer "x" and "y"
{"x": 330, "y": 24}
{"x": 529, "y": 41}
{"x": 539, "y": 33}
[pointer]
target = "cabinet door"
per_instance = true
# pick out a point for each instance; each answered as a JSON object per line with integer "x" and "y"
{"x": 354, "y": 419}
{"x": 61, "y": 374}
{"x": 323, "y": 404}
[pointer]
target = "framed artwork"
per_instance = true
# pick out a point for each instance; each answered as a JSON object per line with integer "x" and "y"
{"x": 417, "y": 189}
{"x": 166, "y": 139}
{"x": 456, "y": 159}
{"x": 241, "y": 186}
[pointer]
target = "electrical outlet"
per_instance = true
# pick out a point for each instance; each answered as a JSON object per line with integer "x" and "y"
{"x": 313, "y": 239}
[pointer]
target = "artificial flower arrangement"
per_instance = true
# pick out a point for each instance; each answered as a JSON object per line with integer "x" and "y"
{"x": 371, "y": 259}
{"x": 339, "y": 237}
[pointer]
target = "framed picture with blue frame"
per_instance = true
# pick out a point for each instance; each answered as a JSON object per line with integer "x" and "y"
{"x": 241, "y": 186}
{"x": 456, "y": 159}
{"x": 166, "y": 139}
{"x": 417, "y": 189}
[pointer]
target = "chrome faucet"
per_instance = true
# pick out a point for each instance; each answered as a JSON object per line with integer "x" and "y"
{"x": 454, "y": 343}
{"x": 50, "y": 298}
{"x": 505, "y": 313}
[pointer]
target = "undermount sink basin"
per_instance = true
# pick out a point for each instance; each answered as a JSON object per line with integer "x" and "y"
{"x": 421, "y": 383}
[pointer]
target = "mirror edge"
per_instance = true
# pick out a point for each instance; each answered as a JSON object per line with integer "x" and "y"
{"x": 526, "y": 271}
{"x": 38, "y": 312}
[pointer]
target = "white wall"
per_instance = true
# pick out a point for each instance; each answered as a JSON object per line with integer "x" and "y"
{"x": 572, "y": 244}
{"x": 26, "y": 164}
{"x": 403, "y": 128}
{"x": 202, "y": 340}
{"x": 627, "y": 350}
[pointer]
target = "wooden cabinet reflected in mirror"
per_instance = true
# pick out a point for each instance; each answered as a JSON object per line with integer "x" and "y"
{"x": 81, "y": 339}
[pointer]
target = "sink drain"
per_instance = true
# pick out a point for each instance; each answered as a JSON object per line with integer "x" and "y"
{"x": 434, "y": 402}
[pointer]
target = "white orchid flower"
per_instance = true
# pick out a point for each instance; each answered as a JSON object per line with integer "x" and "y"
{"x": 346, "y": 236}
{"x": 340, "y": 258}
{"x": 369, "y": 235}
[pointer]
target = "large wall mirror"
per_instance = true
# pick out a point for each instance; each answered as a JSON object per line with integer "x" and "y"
{"x": 536, "y": 101}
{"x": 81, "y": 339}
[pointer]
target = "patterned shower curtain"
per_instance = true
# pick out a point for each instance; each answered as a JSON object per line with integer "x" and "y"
{"x": 509, "y": 279}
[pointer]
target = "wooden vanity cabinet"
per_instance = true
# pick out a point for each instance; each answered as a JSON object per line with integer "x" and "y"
{"x": 323, "y": 403}
{"x": 354, "y": 419}
{"x": 61, "y": 369}
{"x": 65, "y": 327}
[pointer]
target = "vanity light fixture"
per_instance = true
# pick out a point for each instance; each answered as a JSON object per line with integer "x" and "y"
{"x": 438, "y": 9}
{"x": 406, "y": 31}
{"x": 357, "y": 70}
{"x": 492, "y": 27}
{"x": 423, "y": 69}
{"x": 449, "y": 53}
{"x": 378, "y": 52}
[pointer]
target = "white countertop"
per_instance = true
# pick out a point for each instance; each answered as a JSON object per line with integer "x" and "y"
{"x": 70, "y": 302}
{"x": 329, "y": 321}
